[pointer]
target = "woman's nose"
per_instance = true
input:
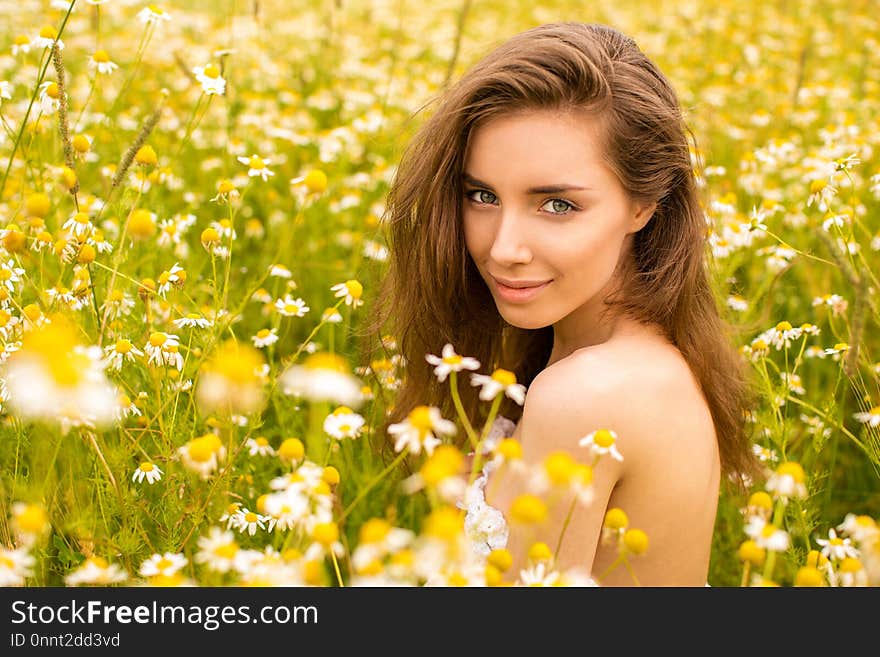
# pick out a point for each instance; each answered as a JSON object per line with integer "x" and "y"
{"x": 511, "y": 242}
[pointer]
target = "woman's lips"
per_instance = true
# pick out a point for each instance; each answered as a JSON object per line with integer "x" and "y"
{"x": 519, "y": 294}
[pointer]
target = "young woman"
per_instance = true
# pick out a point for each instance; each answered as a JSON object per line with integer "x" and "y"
{"x": 545, "y": 220}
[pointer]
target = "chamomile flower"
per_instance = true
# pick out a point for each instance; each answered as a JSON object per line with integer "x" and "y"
{"x": 738, "y": 303}
{"x": 259, "y": 446}
{"x": 249, "y": 521}
{"x": 174, "y": 277}
{"x": 290, "y": 307}
{"x": 49, "y": 97}
{"x": 821, "y": 193}
{"x": 265, "y": 337}
{"x": 209, "y": 77}
{"x": 257, "y": 166}
{"x": 120, "y": 351}
{"x": 217, "y": 550}
{"x": 500, "y": 381}
{"x": 449, "y": 361}
{"x": 351, "y": 290}
{"x": 15, "y": 566}
{"x": 418, "y": 430}
{"x": 21, "y": 44}
{"x": 10, "y": 274}
{"x": 192, "y": 320}
{"x": 343, "y": 423}
{"x": 46, "y": 38}
{"x": 601, "y": 442}
{"x": 331, "y": 316}
{"x": 100, "y": 62}
{"x": 162, "y": 349}
{"x": 836, "y": 548}
{"x": 96, "y": 571}
{"x": 232, "y": 379}
{"x": 149, "y": 471}
{"x": 538, "y": 574}
{"x": 375, "y": 251}
{"x": 53, "y": 377}
{"x": 787, "y": 481}
{"x": 280, "y": 271}
{"x": 323, "y": 377}
{"x": 871, "y": 418}
{"x": 153, "y": 15}
{"x": 163, "y": 564}
{"x": 203, "y": 455}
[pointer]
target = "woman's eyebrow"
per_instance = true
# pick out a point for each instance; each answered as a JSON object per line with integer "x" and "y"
{"x": 544, "y": 189}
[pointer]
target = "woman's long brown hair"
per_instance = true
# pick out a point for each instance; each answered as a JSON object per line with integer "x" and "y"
{"x": 433, "y": 294}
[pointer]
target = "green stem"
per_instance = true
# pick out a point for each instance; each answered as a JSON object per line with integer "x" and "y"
{"x": 459, "y": 408}
{"x": 369, "y": 486}
{"x": 31, "y": 103}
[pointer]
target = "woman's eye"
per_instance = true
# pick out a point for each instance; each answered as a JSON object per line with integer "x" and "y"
{"x": 481, "y": 196}
{"x": 558, "y": 206}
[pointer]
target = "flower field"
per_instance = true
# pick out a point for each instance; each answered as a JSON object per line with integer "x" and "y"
{"x": 192, "y": 238}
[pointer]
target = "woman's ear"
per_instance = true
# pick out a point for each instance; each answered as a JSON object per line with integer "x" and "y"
{"x": 643, "y": 214}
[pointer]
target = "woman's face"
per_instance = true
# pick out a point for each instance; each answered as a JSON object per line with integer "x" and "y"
{"x": 541, "y": 210}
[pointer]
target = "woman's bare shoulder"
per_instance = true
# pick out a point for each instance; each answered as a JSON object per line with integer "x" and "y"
{"x": 639, "y": 384}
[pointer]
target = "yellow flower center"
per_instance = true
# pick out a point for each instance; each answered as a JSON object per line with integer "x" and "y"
{"x": 445, "y": 523}
{"x": 560, "y": 467}
{"x": 211, "y": 71}
{"x": 793, "y": 470}
{"x": 226, "y": 551}
{"x": 500, "y": 558}
{"x": 850, "y": 565}
{"x": 146, "y": 467}
{"x": 603, "y": 438}
{"x": 164, "y": 563}
{"x": 315, "y": 181}
{"x": 510, "y": 449}
{"x": 420, "y": 418}
{"x": 809, "y": 576}
{"x": 200, "y": 450}
{"x": 157, "y": 339}
{"x": 540, "y": 552}
{"x": 250, "y": 516}
{"x": 256, "y": 162}
{"x": 504, "y": 377}
{"x": 326, "y": 361}
{"x": 101, "y": 56}
{"x": 330, "y": 475}
{"x": 528, "y": 509}
{"x": 81, "y": 143}
{"x": 636, "y": 541}
{"x": 455, "y": 359}
{"x": 210, "y": 235}
{"x": 616, "y": 519}
{"x": 355, "y": 289}
{"x": 761, "y": 499}
{"x": 32, "y": 519}
{"x": 146, "y": 155}
{"x": 292, "y": 449}
{"x": 141, "y": 224}
{"x": 263, "y": 333}
{"x": 374, "y": 530}
{"x": 817, "y": 186}
{"x": 326, "y": 533}
{"x": 53, "y": 91}
{"x": 48, "y": 32}
{"x": 783, "y": 326}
